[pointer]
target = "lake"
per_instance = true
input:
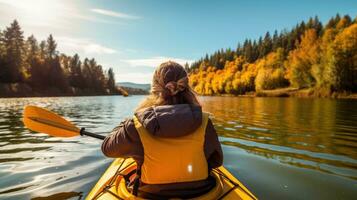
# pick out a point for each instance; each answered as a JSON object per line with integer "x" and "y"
{"x": 280, "y": 148}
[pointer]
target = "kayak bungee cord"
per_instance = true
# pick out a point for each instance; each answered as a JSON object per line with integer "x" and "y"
{"x": 112, "y": 180}
{"x": 236, "y": 185}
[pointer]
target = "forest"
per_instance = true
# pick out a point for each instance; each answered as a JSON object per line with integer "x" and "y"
{"x": 36, "y": 68}
{"x": 320, "y": 59}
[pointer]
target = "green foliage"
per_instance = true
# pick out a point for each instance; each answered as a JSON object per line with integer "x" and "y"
{"x": 111, "y": 80}
{"x": 43, "y": 67}
{"x": 14, "y": 52}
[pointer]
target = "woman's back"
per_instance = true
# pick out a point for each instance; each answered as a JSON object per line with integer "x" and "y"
{"x": 154, "y": 136}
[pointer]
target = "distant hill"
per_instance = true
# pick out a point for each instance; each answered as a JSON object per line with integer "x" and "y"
{"x": 141, "y": 86}
{"x": 134, "y": 88}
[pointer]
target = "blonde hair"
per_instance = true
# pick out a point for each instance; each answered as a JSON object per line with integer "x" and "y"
{"x": 169, "y": 86}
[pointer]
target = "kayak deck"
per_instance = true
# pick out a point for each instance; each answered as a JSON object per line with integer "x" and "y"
{"x": 112, "y": 184}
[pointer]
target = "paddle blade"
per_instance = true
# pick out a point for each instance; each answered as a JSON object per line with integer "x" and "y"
{"x": 45, "y": 121}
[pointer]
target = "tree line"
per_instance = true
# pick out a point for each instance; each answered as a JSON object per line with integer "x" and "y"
{"x": 41, "y": 66}
{"x": 310, "y": 55}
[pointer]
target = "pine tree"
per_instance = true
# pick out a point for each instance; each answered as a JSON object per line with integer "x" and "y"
{"x": 51, "y": 47}
{"x": 111, "y": 81}
{"x": 75, "y": 74}
{"x": 32, "y": 49}
{"x": 344, "y": 22}
{"x": 13, "y": 41}
{"x": 43, "y": 50}
{"x": 87, "y": 74}
{"x": 276, "y": 41}
{"x": 32, "y": 58}
{"x": 56, "y": 76}
{"x": 2, "y": 52}
{"x": 267, "y": 45}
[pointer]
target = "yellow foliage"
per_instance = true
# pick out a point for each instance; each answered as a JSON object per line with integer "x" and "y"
{"x": 301, "y": 59}
{"x": 327, "y": 63}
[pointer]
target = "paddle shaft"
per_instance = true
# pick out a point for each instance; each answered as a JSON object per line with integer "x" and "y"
{"x": 83, "y": 132}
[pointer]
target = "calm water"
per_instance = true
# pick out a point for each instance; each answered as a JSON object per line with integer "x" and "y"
{"x": 280, "y": 148}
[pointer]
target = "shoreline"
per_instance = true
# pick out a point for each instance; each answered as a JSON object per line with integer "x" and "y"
{"x": 50, "y": 96}
{"x": 28, "y": 92}
{"x": 292, "y": 93}
{"x": 22, "y": 90}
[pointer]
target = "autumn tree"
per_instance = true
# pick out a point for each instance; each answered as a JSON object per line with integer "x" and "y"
{"x": 346, "y": 59}
{"x": 271, "y": 72}
{"x": 307, "y": 56}
{"x": 301, "y": 60}
{"x": 324, "y": 72}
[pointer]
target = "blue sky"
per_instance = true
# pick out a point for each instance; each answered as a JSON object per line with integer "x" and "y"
{"x": 134, "y": 36}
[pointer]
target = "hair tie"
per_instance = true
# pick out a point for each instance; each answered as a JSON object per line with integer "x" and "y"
{"x": 175, "y": 87}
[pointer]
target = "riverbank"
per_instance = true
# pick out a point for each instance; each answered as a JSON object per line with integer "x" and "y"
{"x": 300, "y": 93}
{"x": 25, "y": 90}
{"x": 304, "y": 93}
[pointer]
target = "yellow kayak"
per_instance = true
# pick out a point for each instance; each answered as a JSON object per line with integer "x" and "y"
{"x": 112, "y": 184}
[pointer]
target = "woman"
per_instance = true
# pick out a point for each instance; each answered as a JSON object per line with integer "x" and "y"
{"x": 172, "y": 141}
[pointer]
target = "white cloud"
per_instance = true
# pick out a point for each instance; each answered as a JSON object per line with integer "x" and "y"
{"x": 156, "y": 61}
{"x": 113, "y": 13}
{"x": 135, "y": 77}
{"x": 69, "y": 44}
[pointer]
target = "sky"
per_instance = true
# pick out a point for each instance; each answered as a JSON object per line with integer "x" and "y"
{"x": 135, "y": 36}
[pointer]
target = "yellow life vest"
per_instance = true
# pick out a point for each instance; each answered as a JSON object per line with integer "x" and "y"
{"x": 173, "y": 160}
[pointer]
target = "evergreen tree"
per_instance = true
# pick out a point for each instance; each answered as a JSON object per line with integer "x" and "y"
{"x": 87, "y": 74}
{"x": 344, "y": 22}
{"x": 276, "y": 41}
{"x": 33, "y": 62}
{"x": 12, "y": 70}
{"x": 44, "y": 68}
{"x": 75, "y": 74}
{"x": 333, "y": 22}
{"x": 56, "y": 76}
{"x": 32, "y": 47}
{"x": 51, "y": 48}
{"x": 43, "y": 50}
{"x": 2, "y": 53}
{"x": 267, "y": 45}
{"x": 111, "y": 81}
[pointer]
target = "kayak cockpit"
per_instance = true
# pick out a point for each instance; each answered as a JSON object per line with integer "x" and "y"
{"x": 113, "y": 185}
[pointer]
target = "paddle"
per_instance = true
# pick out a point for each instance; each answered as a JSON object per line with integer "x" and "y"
{"x": 45, "y": 121}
